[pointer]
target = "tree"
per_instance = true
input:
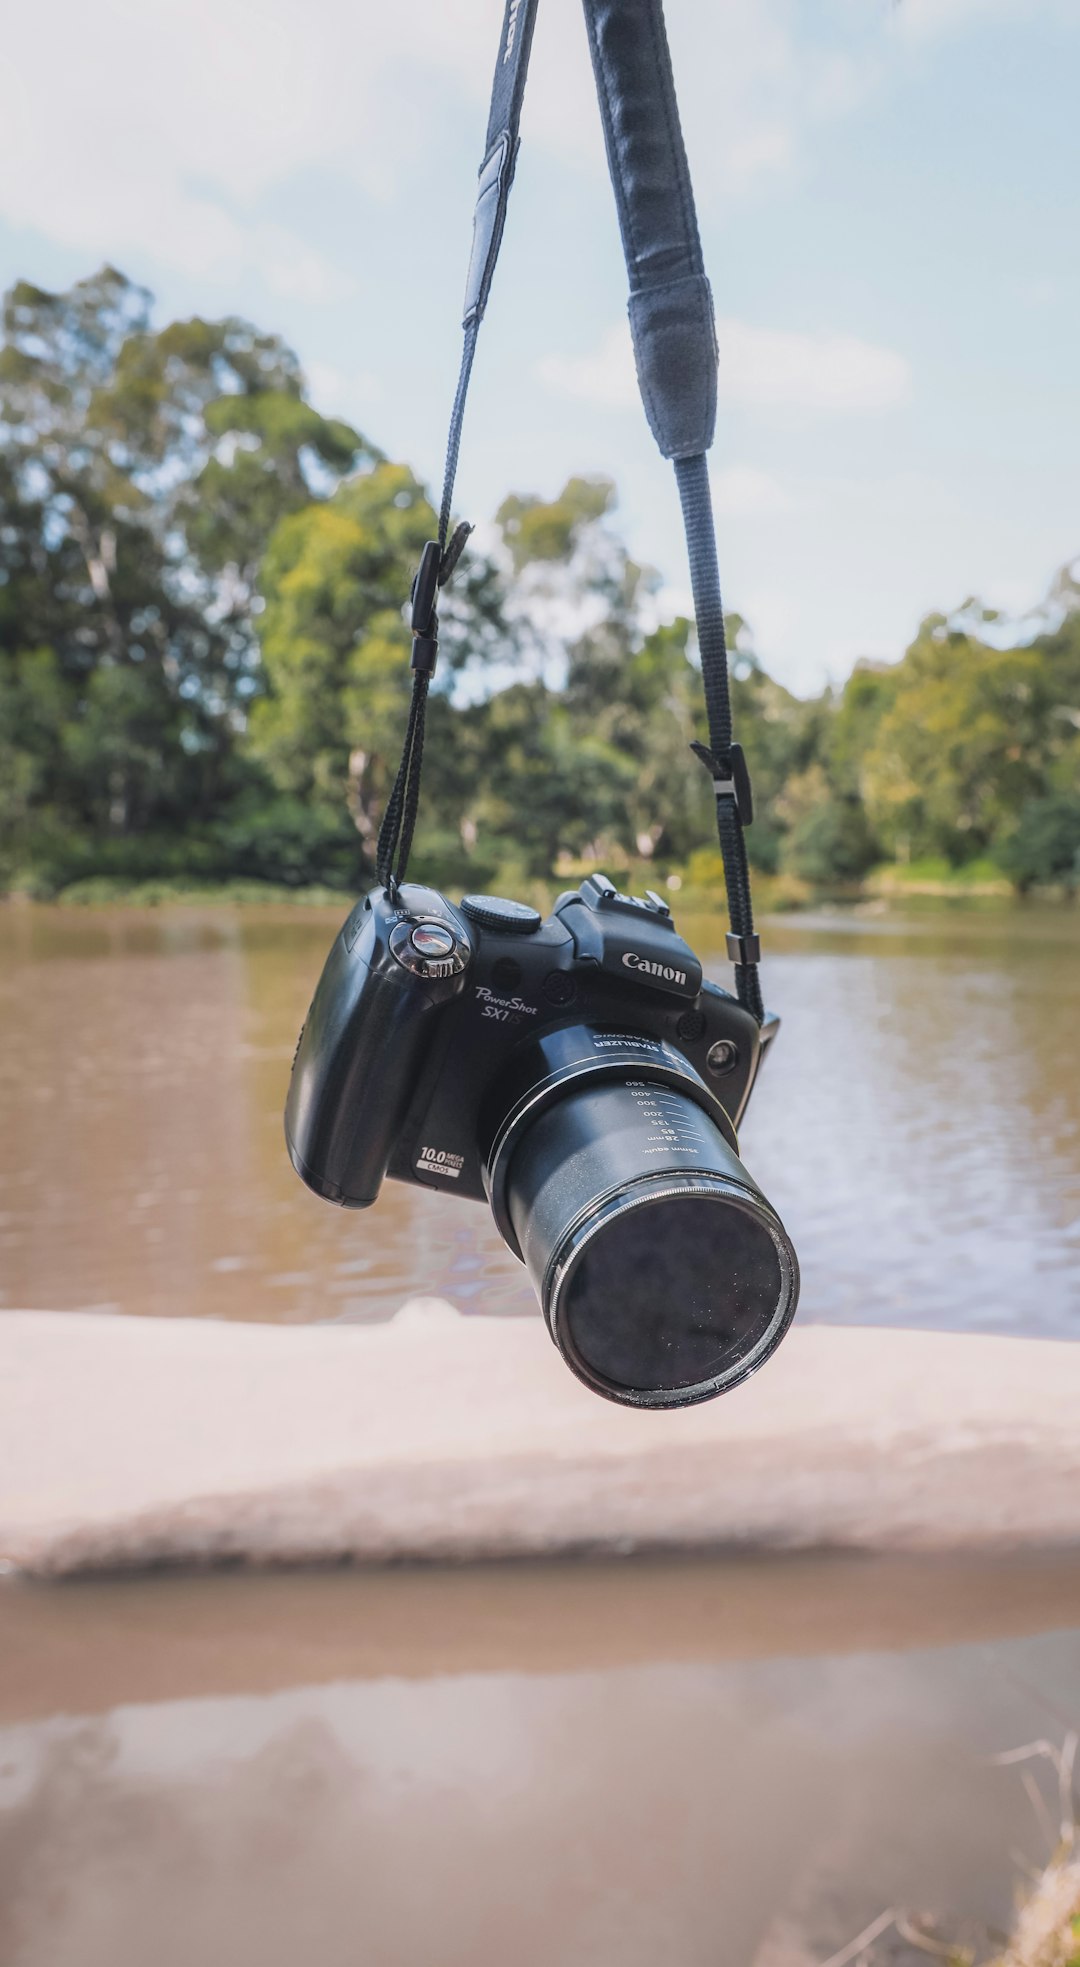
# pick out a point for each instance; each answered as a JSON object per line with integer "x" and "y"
{"x": 831, "y": 843}
{"x": 204, "y": 654}
{"x": 966, "y": 740}
{"x": 141, "y": 472}
{"x": 1044, "y": 847}
{"x": 328, "y": 726}
{"x": 335, "y": 645}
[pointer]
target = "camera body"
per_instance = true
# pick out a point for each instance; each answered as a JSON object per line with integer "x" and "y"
{"x": 582, "y": 1076}
{"x": 404, "y": 1066}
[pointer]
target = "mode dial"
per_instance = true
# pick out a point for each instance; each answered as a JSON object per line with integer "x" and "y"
{"x": 493, "y": 912}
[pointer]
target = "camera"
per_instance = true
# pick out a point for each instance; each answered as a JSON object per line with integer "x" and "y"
{"x": 581, "y": 1076}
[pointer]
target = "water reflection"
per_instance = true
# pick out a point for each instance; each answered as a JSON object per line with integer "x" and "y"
{"x": 919, "y": 1130}
{"x": 923, "y": 1136}
{"x": 715, "y": 1812}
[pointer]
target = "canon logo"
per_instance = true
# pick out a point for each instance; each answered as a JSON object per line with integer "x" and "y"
{"x": 662, "y": 970}
{"x": 511, "y": 28}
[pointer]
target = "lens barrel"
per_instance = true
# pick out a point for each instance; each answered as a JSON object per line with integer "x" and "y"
{"x": 664, "y": 1275}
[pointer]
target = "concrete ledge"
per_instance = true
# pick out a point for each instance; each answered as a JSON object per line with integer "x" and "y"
{"x": 127, "y": 1442}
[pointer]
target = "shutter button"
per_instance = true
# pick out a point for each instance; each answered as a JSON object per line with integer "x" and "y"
{"x": 432, "y": 939}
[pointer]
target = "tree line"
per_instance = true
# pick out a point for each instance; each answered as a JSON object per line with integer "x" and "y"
{"x": 204, "y": 667}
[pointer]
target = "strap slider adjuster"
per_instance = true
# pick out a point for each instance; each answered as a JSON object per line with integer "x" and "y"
{"x": 730, "y": 776}
{"x": 425, "y": 588}
{"x": 425, "y": 654}
{"x": 424, "y": 619}
{"x": 743, "y": 950}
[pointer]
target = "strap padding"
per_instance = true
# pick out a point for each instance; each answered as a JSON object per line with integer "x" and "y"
{"x": 671, "y": 312}
{"x": 500, "y": 155}
{"x": 674, "y": 335}
{"x": 489, "y": 218}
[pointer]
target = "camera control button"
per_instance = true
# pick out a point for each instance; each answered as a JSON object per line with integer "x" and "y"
{"x": 722, "y": 1057}
{"x": 559, "y": 987}
{"x": 432, "y": 939}
{"x": 429, "y": 949}
{"x": 495, "y": 912}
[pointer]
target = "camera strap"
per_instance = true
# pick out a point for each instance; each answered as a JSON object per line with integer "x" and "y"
{"x": 674, "y": 339}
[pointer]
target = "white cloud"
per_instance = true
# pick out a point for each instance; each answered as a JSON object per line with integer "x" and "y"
{"x": 605, "y": 378}
{"x": 777, "y": 368}
{"x": 741, "y": 491}
{"x": 776, "y": 87}
{"x": 164, "y": 127}
{"x": 340, "y": 394}
{"x": 161, "y": 127}
{"x": 919, "y": 20}
{"x": 763, "y": 368}
{"x": 754, "y": 86}
{"x": 772, "y": 617}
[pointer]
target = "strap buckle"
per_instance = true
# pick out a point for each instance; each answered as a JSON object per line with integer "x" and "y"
{"x": 425, "y": 621}
{"x": 425, "y": 589}
{"x": 730, "y": 776}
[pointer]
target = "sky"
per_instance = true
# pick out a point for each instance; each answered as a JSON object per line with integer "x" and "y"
{"x": 889, "y": 200}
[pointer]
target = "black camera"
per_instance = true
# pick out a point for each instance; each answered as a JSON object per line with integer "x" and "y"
{"x": 580, "y": 1075}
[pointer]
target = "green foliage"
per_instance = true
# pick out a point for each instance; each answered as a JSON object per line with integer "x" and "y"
{"x": 832, "y": 844}
{"x": 140, "y": 474}
{"x": 204, "y": 660}
{"x": 334, "y": 640}
{"x": 1044, "y": 847}
{"x": 283, "y": 840}
{"x": 968, "y": 737}
{"x": 537, "y": 529}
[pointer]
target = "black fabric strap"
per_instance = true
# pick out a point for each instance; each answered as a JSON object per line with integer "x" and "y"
{"x": 674, "y": 337}
{"x": 500, "y": 152}
{"x": 672, "y": 325}
{"x": 399, "y": 820}
{"x": 722, "y": 758}
{"x": 670, "y": 307}
{"x": 489, "y": 218}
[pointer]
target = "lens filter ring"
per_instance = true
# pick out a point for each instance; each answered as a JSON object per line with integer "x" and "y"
{"x": 664, "y": 1274}
{"x": 607, "y": 1337}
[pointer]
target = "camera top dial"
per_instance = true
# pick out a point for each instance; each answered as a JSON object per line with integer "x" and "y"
{"x": 495, "y": 912}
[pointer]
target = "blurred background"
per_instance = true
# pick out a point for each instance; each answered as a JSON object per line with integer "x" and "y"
{"x": 230, "y": 340}
{"x": 232, "y": 245}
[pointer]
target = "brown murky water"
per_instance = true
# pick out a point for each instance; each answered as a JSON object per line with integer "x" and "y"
{"x": 708, "y": 1764}
{"x": 919, "y": 1127}
{"x": 736, "y": 1763}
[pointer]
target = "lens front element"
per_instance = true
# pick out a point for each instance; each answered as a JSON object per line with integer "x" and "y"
{"x": 697, "y": 1279}
{"x": 664, "y": 1274}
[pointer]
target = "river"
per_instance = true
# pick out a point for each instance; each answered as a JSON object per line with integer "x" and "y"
{"x": 918, "y": 1125}
{"x": 711, "y": 1761}
{"x": 708, "y": 1763}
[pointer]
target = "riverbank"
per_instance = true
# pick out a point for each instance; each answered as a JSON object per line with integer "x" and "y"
{"x": 138, "y": 1442}
{"x": 90, "y": 1644}
{"x": 738, "y": 1748}
{"x": 897, "y": 884}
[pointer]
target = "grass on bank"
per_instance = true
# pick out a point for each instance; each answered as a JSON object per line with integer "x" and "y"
{"x": 937, "y": 877}
{"x": 108, "y": 891}
{"x": 694, "y": 886}
{"x": 1046, "y": 1929}
{"x": 1046, "y": 1932}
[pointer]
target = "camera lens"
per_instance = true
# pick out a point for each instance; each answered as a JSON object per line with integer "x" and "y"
{"x": 664, "y": 1274}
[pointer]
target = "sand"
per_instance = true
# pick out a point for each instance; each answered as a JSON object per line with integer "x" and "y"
{"x": 127, "y": 1442}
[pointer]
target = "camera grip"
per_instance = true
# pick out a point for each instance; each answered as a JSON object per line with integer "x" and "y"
{"x": 361, "y": 1048}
